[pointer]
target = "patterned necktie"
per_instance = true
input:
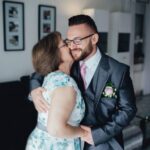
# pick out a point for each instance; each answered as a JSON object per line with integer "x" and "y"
{"x": 83, "y": 73}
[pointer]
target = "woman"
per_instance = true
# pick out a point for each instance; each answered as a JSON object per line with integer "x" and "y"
{"x": 58, "y": 129}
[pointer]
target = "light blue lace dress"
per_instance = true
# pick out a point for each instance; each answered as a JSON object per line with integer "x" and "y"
{"x": 39, "y": 139}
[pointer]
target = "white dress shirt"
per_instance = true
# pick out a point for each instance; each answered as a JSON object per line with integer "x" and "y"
{"x": 91, "y": 66}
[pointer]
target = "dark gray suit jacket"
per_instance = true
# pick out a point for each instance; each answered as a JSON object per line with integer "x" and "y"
{"x": 106, "y": 116}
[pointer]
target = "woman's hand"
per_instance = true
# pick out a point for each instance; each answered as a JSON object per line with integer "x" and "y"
{"x": 87, "y": 136}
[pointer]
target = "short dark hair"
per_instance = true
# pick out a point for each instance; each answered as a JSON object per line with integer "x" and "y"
{"x": 83, "y": 19}
{"x": 46, "y": 54}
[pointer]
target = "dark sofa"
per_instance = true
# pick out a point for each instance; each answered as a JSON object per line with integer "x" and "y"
{"x": 18, "y": 115}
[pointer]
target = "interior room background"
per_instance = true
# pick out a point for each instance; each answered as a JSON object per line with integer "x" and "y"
{"x": 15, "y": 64}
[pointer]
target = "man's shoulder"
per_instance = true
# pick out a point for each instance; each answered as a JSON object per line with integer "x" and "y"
{"x": 115, "y": 64}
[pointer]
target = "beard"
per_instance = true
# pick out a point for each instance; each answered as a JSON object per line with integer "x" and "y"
{"x": 80, "y": 54}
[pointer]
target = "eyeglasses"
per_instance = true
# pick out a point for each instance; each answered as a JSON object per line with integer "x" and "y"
{"x": 62, "y": 46}
{"x": 77, "y": 40}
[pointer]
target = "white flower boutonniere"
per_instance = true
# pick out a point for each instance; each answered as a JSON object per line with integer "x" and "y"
{"x": 110, "y": 91}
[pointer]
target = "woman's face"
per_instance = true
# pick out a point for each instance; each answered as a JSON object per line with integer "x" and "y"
{"x": 65, "y": 52}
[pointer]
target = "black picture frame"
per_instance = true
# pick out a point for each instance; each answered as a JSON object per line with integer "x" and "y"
{"x": 47, "y": 20}
{"x": 123, "y": 42}
{"x": 139, "y": 39}
{"x": 13, "y": 18}
{"x": 103, "y": 41}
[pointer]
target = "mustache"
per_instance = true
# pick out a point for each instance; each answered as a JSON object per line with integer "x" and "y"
{"x": 76, "y": 49}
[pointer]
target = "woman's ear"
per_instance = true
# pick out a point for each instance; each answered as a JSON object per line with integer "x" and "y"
{"x": 95, "y": 38}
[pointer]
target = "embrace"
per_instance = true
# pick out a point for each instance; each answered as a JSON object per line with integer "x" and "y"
{"x": 81, "y": 94}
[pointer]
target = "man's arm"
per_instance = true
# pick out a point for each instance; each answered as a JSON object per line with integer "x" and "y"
{"x": 124, "y": 114}
{"x": 36, "y": 92}
{"x": 36, "y": 81}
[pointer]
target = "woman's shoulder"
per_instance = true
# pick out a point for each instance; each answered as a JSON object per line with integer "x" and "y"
{"x": 56, "y": 75}
{"x": 59, "y": 78}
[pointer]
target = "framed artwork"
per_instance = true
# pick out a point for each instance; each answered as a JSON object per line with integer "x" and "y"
{"x": 102, "y": 43}
{"x": 47, "y": 20}
{"x": 138, "y": 44}
{"x": 13, "y": 15}
{"x": 123, "y": 42}
{"x": 142, "y": 1}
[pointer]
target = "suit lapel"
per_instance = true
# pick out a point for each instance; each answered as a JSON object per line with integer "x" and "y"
{"x": 99, "y": 80}
{"x": 101, "y": 77}
{"x": 78, "y": 78}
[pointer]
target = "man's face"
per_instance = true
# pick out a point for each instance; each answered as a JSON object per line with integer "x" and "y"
{"x": 80, "y": 48}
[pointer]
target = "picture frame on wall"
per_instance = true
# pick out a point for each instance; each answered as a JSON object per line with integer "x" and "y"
{"x": 123, "y": 42}
{"x": 47, "y": 20}
{"x": 13, "y": 18}
{"x": 102, "y": 42}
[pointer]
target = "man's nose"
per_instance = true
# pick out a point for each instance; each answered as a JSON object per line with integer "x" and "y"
{"x": 72, "y": 45}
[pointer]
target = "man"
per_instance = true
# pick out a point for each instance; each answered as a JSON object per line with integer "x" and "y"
{"x": 105, "y": 85}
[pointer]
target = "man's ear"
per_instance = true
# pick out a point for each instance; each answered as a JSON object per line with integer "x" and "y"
{"x": 95, "y": 38}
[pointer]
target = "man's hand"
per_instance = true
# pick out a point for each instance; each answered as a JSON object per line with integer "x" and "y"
{"x": 88, "y": 136}
{"x": 40, "y": 104}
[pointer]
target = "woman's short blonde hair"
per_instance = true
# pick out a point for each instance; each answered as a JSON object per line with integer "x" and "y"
{"x": 46, "y": 54}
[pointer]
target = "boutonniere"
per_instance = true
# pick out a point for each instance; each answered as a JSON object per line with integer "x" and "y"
{"x": 110, "y": 90}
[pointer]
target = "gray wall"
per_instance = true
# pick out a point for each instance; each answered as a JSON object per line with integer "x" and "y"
{"x": 146, "y": 72}
{"x": 15, "y": 64}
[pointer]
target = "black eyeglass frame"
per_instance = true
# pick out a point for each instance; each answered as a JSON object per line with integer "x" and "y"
{"x": 77, "y": 41}
{"x": 62, "y": 45}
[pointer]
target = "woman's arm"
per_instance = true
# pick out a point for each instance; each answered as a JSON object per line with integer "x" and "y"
{"x": 61, "y": 107}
